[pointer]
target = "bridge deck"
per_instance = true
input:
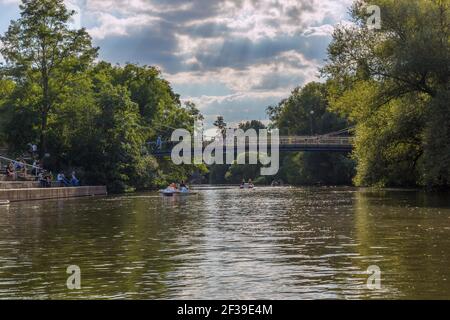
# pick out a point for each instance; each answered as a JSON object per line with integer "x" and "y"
{"x": 286, "y": 144}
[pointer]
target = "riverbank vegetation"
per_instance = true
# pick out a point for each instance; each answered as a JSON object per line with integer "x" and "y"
{"x": 306, "y": 113}
{"x": 390, "y": 85}
{"x": 393, "y": 84}
{"x": 86, "y": 115}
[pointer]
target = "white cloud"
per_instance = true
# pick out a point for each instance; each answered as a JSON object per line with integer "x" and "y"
{"x": 10, "y": 2}
{"x": 257, "y": 50}
{"x": 111, "y": 25}
{"x": 254, "y": 78}
{"x": 289, "y": 64}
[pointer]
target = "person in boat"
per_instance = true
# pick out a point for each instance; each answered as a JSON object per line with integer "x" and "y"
{"x": 172, "y": 187}
{"x": 250, "y": 183}
{"x": 242, "y": 186}
{"x": 183, "y": 187}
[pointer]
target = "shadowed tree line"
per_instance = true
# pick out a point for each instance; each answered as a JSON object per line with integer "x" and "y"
{"x": 391, "y": 85}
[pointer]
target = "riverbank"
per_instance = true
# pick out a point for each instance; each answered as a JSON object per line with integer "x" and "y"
{"x": 30, "y": 194}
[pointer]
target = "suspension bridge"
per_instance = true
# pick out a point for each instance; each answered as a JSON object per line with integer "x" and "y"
{"x": 332, "y": 142}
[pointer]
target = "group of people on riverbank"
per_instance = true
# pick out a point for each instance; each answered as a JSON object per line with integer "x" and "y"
{"x": 16, "y": 169}
{"x": 46, "y": 178}
{"x": 19, "y": 169}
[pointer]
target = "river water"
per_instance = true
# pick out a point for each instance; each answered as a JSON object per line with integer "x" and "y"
{"x": 267, "y": 243}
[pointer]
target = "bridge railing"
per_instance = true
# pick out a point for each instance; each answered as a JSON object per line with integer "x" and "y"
{"x": 319, "y": 140}
{"x": 294, "y": 140}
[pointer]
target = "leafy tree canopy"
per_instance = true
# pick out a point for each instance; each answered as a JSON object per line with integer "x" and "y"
{"x": 393, "y": 83}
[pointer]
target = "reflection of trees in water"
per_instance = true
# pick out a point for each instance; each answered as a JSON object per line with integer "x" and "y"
{"x": 123, "y": 246}
{"x": 407, "y": 239}
{"x": 157, "y": 229}
{"x": 28, "y": 249}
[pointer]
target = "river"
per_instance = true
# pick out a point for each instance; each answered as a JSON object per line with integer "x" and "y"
{"x": 267, "y": 243}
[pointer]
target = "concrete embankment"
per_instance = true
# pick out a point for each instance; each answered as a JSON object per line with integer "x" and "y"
{"x": 28, "y": 194}
{"x": 19, "y": 185}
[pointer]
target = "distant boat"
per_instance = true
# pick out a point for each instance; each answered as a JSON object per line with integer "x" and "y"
{"x": 4, "y": 202}
{"x": 247, "y": 186}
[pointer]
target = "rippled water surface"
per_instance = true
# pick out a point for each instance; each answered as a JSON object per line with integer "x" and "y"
{"x": 267, "y": 243}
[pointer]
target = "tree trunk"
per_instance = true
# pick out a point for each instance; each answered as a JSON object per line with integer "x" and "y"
{"x": 43, "y": 137}
{"x": 44, "y": 113}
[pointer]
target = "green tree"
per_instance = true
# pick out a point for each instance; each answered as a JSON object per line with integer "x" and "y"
{"x": 221, "y": 125}
{"x": 94, "y": 118}
{"x": 305, "y": 112}
{"x": 43, "y": 54}
{"x": 18, "y": 120}
{"x": 237, "y": 173}
{"x": 436, "y": 144}
{"x": 393, "y": 83}
{"x": 6, "y": 88}
{"x": 322, "y": 168}
{"x": 119, "y": 137}
{"x": 253, "y": 124}
{"x": 193, "y": 111}
{"x": 158, "y": 112}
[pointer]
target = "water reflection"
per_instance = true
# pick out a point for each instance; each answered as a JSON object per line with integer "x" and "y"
{"x": 252, "y": 244}
{"x": 409, "y": 233}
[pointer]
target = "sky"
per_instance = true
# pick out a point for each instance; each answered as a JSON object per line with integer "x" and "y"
{"x": 231, "y": 57}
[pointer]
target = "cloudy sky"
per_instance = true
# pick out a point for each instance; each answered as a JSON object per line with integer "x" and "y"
{"x": 231, "y": 57}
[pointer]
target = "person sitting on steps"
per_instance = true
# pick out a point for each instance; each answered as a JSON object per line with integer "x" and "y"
{"x": 74, "y": 181}
{"x": 10, "y": 172}
{"x": 49, "y": 179}
{"x": 61, "y": 178}
{"x": 45, "y": 179}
